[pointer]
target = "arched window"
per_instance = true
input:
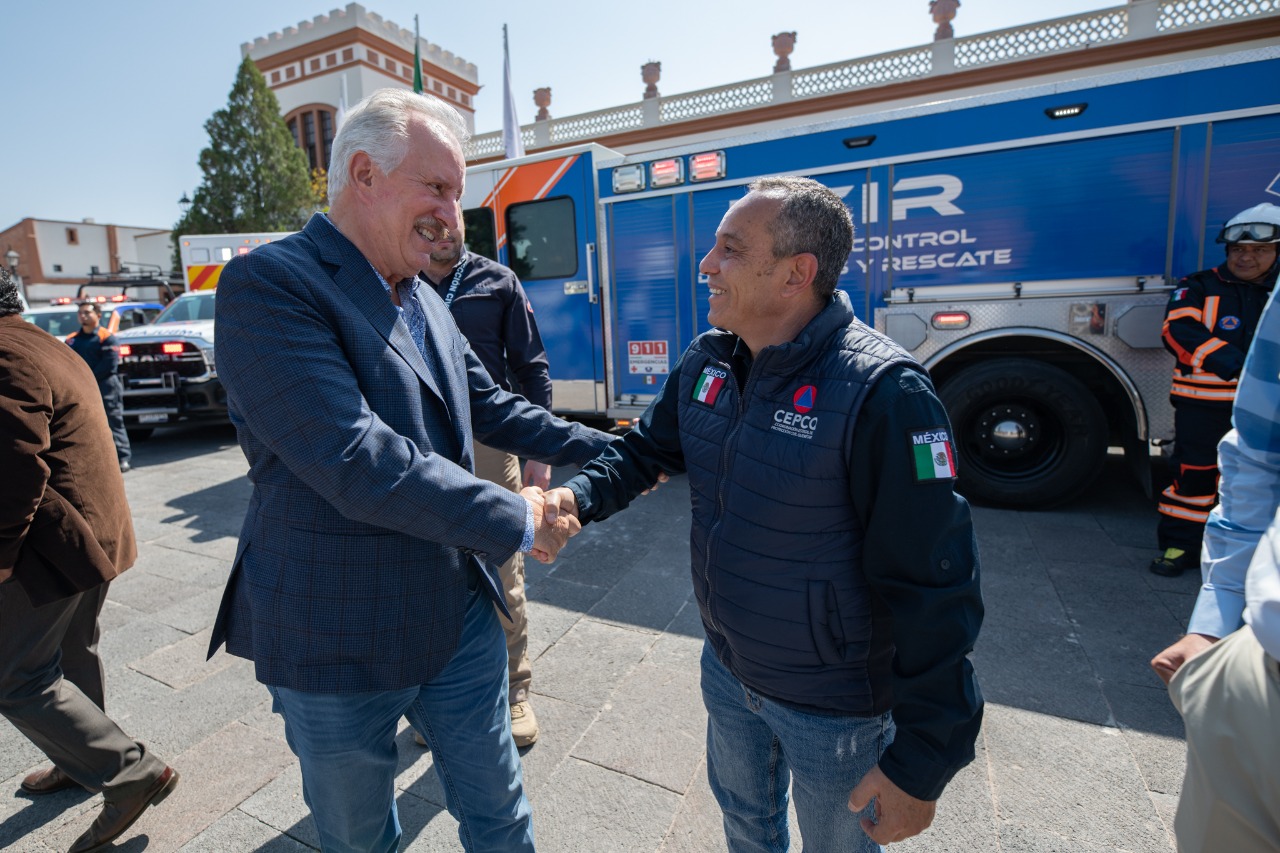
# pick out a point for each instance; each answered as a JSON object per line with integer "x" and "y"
{"x": 312, "y": 129}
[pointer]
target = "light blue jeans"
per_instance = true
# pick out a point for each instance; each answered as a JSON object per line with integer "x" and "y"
{"x": 756, "y": 747}
{"x": 346, "y": 746}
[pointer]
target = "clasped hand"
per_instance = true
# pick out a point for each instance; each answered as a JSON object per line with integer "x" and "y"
{"x": 555, "y": 520}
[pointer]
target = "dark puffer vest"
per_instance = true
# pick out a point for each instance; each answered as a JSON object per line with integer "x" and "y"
{"x": 776, "y": 543}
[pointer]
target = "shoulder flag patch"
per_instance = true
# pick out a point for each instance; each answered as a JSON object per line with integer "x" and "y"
{"x": 931, "y": 451}
{"x": 708, "y": 386}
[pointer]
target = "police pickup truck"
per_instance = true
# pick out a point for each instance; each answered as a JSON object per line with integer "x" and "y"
{"x": 168, "y": 370}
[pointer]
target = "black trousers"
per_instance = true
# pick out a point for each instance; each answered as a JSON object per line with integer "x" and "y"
{"x": 1184, "y": 506}
{"x": 51, "y": 689}
{"x": 113, "y": 401}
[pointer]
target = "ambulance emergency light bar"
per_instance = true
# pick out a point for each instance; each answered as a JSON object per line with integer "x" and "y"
{"x": 670, "y": 172}
{"x": 67, "y": 300}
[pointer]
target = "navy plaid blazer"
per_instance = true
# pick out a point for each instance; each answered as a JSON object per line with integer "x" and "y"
{"x": 365, "y": 517}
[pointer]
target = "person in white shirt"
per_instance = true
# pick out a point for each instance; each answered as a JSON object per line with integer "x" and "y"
{"x": 1223, "y": 676}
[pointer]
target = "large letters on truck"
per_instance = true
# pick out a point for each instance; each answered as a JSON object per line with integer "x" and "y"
{"x": 1020, "y": 244}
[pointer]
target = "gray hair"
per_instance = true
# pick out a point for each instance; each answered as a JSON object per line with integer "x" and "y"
{"x": 379, "y": 126}
{"x": 812, "y": 219}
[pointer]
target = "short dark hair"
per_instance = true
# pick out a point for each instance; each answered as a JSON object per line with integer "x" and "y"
{"x": 812, "y": 219}
{"x": 10, "y": 299}
{"x": 93, "y": 306}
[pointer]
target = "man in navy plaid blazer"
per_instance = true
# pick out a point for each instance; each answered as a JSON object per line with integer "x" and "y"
{"x": 365, "y": 580}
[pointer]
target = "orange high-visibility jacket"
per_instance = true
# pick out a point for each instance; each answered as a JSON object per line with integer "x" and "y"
{"x": 1210, "y": 321}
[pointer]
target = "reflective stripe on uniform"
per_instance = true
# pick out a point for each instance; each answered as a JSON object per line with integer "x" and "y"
{"x": 1200, "y": 500}
{"x": 1205, "y": 350}
{"x": 1211, "y": 311}
{"x": 1192, "y": 392}
{"x": 1181, "y": 512}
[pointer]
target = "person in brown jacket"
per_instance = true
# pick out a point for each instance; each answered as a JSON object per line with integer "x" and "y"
{"x": 65, "y": 532}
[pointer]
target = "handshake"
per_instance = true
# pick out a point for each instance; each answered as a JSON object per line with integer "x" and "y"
{"x": 555, "y": 520}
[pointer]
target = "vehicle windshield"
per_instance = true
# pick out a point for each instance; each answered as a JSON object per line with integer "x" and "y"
{"x": 184, "y": 309}
{"x": 63, "y": 321}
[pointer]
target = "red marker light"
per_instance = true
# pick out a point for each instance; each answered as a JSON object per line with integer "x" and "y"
{"x": 119, "y": 297}
{"x": 125, "y": 349}
{"x": 666, "y": 173}
{"x": 951, "y": 320}
{"x": 171, "y": 349}
{"x": 707, "y": 166}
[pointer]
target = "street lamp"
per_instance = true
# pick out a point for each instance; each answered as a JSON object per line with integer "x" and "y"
{"x": 184, "y": 203}
{"x": 11, "y": 258}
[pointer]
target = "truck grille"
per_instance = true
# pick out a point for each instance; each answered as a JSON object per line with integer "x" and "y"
{"x": 148, "y": 360}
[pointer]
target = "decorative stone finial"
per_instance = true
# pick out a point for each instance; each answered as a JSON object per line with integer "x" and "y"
{"x": 943, "y": 11}
{"x": 542, "y": 100}
{"x": 649, "y": 73}
{"x": 783, "y": 44}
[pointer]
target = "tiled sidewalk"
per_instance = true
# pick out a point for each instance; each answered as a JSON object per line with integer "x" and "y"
{"x": 1080, "y": 749}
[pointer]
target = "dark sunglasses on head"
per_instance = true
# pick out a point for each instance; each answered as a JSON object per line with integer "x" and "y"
{"x": 1262, "y": 232}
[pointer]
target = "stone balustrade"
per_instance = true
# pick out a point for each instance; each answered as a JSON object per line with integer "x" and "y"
{"x": 1134, "y": 21}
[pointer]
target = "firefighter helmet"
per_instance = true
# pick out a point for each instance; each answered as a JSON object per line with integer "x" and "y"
{"x": 1258, "y": 224}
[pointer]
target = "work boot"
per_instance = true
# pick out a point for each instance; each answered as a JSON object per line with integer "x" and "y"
{"x": 1173, "y": 562}
{"x": 524, "y": 725}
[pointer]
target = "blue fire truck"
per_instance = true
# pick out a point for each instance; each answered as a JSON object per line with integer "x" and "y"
{"x": 1020, "y": 244}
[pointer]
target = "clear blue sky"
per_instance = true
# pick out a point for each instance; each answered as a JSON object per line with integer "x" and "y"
{"x": 106, "y": 102}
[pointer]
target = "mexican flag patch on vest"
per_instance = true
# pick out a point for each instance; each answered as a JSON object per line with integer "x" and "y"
{"x": 708, "y": 386}
{"x": 932, "y": 453}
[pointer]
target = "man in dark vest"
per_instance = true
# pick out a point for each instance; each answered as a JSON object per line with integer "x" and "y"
{"x": 835, "y": 567}
{"x": 65, "y": 532}
{"x": 98, "y": 347}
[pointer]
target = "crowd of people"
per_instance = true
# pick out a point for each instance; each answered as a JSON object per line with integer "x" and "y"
{"x": 379, "y": 572}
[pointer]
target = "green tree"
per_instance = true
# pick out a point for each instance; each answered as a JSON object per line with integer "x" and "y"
{"x": 255, "y": 176}
{"x": 320, "y": 189}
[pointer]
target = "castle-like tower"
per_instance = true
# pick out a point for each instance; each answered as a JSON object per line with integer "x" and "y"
{"x": 349, "y": 53}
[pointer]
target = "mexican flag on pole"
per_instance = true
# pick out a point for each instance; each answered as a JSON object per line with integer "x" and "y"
{"x": 417, "y": 60}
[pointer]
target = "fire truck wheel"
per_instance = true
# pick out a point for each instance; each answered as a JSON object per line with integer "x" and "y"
{"x": 139, "y": 433}
{"x": 1027, "y": 433}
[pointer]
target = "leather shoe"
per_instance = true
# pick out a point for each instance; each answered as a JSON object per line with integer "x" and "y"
{"x": 48, "y": 781}
{"x": 118, "y": 815}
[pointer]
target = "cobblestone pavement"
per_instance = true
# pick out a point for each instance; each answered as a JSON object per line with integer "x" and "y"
{"x": 1081, "y": 749}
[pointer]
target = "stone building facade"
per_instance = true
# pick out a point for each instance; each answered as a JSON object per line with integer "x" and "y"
{"x": 318, "y": 64}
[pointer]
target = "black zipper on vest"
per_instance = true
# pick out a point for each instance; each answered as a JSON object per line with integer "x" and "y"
{"x": 725, "y": 456}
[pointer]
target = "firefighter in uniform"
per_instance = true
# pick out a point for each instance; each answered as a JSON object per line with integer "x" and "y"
{"x": 99, "y": 348}
{"x": 1210, "y": 322}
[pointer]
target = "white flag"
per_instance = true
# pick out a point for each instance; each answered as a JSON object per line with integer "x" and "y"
{"x": 342, "y": 105}
{"x": 512, "y": 143}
